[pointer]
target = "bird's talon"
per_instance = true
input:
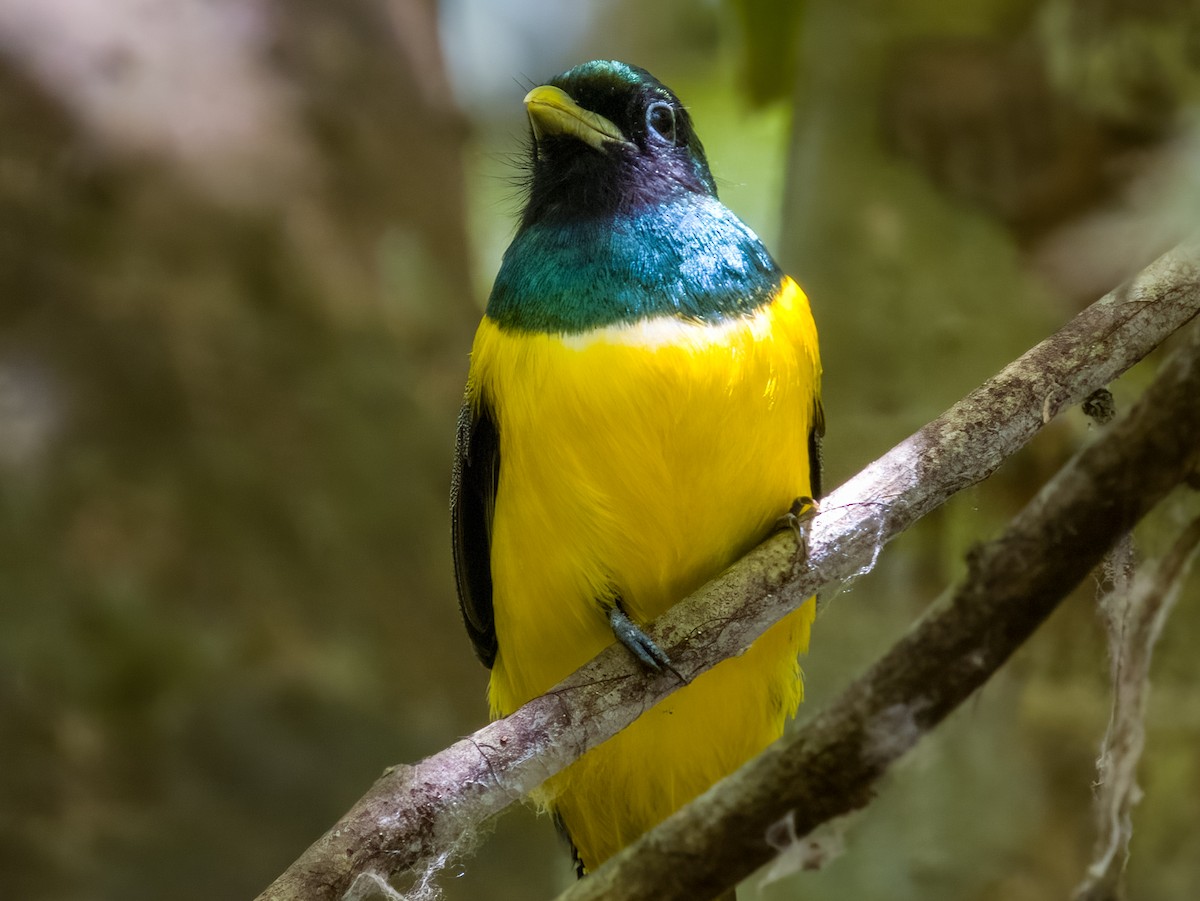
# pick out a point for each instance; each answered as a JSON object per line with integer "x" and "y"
{"x": 641, "y": 645}
{"x": 798, "y": 516}
{"x": 803, "y": 509}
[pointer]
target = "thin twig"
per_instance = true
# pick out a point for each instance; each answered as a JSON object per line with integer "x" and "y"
{"x": 1135, "y": 613}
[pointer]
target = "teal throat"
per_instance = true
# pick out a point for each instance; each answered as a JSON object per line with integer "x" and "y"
{"x": 690, "y": 257}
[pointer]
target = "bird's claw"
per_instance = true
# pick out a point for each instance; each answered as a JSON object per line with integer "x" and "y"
{"x": 641, "y": 645}
{"x": 797, "y": 518}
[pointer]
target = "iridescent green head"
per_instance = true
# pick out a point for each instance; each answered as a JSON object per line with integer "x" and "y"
{"x": 622, "y": 221}
{"x": 609, "y": 137}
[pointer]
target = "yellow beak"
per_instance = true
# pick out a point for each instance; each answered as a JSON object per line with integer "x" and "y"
{"x": 553, "y": 112}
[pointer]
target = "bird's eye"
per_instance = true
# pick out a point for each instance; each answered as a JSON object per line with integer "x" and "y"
{"x": 660, "y": 121}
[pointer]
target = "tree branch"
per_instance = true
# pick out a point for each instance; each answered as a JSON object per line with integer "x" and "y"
{"x": 830, "y": 766}
{"x": 414, "y": 814}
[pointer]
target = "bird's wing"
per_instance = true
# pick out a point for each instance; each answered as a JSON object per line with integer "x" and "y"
{"x": 815, "y": 434}
{"x": 472, "y": 502}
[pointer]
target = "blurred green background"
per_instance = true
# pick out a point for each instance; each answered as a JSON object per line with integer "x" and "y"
{"x": 243, "y": 246}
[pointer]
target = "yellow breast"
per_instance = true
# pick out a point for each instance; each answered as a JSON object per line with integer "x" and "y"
{"x": 637, "y": 462}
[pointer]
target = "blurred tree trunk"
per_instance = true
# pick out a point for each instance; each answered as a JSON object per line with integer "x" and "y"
{"x": 235, "y": 304}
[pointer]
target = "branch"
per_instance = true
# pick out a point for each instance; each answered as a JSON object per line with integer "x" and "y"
{"x": 414, "y": 814}
{"x": 830, "y": 766}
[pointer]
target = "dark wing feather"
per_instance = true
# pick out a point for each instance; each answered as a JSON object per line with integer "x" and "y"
{"x": 472, "y": 501}
{"x": 815, "y": 434}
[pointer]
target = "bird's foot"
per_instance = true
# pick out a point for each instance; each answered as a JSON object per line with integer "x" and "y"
{"x": 797, "y": 519}
{"x": 641, "y": 645}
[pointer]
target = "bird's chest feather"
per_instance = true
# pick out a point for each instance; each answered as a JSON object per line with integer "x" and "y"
{"x": 637, "y": 461}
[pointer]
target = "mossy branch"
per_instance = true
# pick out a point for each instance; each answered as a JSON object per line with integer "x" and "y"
{"x": 414, "y": 814}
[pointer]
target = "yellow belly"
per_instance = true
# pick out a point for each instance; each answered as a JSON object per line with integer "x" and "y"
{"x": 638, "y": 462}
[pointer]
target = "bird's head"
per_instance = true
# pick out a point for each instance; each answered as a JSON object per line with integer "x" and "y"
{"x": 609, "y": 138}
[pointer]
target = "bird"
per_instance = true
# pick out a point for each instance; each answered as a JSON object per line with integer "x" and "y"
{"x": 642, "y": 407}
